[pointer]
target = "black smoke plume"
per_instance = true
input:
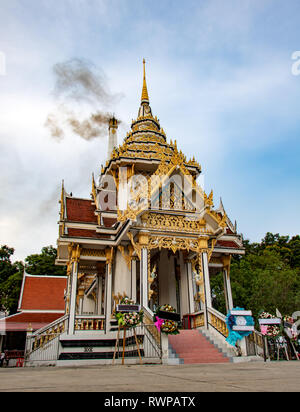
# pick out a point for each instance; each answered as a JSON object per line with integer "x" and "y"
{"x": 80, "y": 84}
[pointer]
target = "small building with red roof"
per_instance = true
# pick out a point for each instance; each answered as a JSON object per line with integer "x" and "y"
{"x": 41, "y": 302}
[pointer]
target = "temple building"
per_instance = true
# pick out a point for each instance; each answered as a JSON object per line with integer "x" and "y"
{"x": 148, "y": 232}
{"x": 41, "y": 303}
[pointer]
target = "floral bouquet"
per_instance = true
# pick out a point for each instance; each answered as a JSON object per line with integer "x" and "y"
{"x": 129, "y": 319}
{"x": 288, "y": 319}
{"x": 290, "y": 328}
{"x": 270, "y": 331}
{"x": 167, "y": 308}
{"x": 169, "y": 327}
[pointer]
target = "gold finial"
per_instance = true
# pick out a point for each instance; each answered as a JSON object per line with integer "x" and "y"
{"x": 62, "y": 200}
{"x": 145, "y": 96}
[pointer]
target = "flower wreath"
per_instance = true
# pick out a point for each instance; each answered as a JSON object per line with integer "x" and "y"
{"x": 233, "y": 320}
{"x": 129, "y": 319}
{"x": 290, "y": 329}
{"x": 169, "y": 327}
{"x": 270, "y": 331}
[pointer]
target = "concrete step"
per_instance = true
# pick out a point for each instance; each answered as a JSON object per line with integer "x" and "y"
{"x": 203, "y": 361}
{"x": 219, "y": 343}
{"x": 190, "y": 346}
{"x": 99, "y": 355}
{"x": 88, "y": 347}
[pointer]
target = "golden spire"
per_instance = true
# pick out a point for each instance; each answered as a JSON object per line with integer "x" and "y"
{"x": 145, "y": 96}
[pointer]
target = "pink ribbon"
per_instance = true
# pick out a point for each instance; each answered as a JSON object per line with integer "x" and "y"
{"x": 158, "y": 323}
{"x": 263, "y": 329}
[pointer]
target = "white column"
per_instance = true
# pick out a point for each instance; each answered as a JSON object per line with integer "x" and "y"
{"x": 68, "y": 290}
{"x": 28, "y": 345}
{"x": 225, "y": 291}
{"x": 73, "y": 295}
{"x": 164, "y": 348}
{"x": 133, "y": 280}
{"x": 190, "y": 287}
{"x": 80, "y": 309}
{"x": 243, "y": 346}
{"x": 99, "y": 300}
{"x": 206, "y": 280}
{"x": 228, "y": 288}
{"x": 144, "y": 277}
{"x": 108, "y": 297}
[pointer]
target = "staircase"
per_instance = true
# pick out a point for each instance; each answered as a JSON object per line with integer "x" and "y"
{"x": 191, "y": 347}
{"x": 95, "y": 348}
{"x": 52, "y": 346}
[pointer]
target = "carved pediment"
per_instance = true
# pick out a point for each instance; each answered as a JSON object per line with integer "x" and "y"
{"x": 173, "y": 223}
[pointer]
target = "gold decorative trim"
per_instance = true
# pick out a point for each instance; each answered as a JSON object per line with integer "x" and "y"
{"x": 176, "y": 223}
{"x": 210, "y": 251}
{"x": 173, "y": 243}
{"x": 127, "y": 257}
{"x": 94, "y": 190}
{"x": 135, "y": 245}
{"x": 94, "y": 253}
{"x": 74, "y": 252}
{"x": 109, "y": 253}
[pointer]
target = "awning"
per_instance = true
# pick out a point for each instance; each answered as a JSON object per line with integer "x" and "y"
{"x": 21, "y": 322}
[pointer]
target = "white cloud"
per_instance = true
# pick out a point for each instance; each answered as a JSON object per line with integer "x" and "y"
{"x": 215, "y": 86}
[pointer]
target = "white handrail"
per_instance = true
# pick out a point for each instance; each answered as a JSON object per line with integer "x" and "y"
{"x": 49, "y": 326}
{"x": 217, "y": 313}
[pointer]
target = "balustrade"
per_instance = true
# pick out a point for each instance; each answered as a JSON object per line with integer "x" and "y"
{"x": 218, "y": 321}
{"x": 193, "y": 321}
{"x": 89, "y": 323}
{"x": 43, "y": 336}
{"x": 198, "y": 320}
{"x": 148, "y": 321}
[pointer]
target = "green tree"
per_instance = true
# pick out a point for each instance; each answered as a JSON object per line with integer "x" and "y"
{"x": 294, "y": 245}
{"x": 43, "y": 264}
{"x": 265, "y": 282}
{"x": 265, "y": 278}
{"x": 11, "y": 275}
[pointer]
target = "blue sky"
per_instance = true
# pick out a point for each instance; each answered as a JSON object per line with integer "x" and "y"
{"x": 220, "y": 81}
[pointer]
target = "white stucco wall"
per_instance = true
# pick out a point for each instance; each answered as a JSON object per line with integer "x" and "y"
{"x": 184, "y": 290}
{"x": 122, "y": 276}
{"x": 167, "y": 283}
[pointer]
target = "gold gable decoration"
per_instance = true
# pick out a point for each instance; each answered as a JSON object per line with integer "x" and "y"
{"x": 167, "y": 222}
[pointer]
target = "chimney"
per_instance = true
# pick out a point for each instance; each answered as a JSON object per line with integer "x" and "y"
{"x": 112, "y": 136}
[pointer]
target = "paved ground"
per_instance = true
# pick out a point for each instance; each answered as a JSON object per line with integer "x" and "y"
{"x": 273, "y": 377}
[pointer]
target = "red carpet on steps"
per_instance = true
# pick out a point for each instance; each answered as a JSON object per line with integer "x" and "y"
{"x": 193, "y": 347}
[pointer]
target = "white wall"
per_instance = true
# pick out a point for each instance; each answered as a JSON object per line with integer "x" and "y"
{"x": 89, "y": 305}
{"x": 184, "y": 290}
{"x": 167, "y": 284}
{"x": 122, "y": 276}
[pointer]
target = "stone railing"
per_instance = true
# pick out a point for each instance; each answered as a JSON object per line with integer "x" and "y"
{"x": 89, "y": 323}
{"x": 43, "y": 336}
{"x": 151, "y": 328}
{"x": 255, "y": 344}
{"x": 194, "y": 320}
{"x": 218, "y": 321}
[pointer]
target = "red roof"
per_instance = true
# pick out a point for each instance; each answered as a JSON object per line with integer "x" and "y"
{"x": 86, "y": 233}
{"x": 41, "y": 303}
{"x": 43, "y": 293}
{"x": 109, "y": 222}
{"x": 80, "y": 210}
{"x": 228, "y": 244}
{"x": 22, "y": 321}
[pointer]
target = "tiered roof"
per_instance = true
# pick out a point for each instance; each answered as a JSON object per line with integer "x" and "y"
{"x": 41, "y": 302}
{"x": 146, "y": 151}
